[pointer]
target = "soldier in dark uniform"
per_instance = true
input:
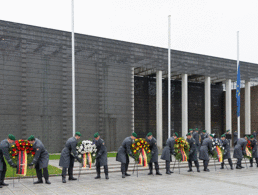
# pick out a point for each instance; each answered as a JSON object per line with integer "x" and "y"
{"x": 154, "y": 152}
{"x": 40, "y": 159}
{"x": 4, "y": 152}
{"x": 168, "y": 151}
{"x": 239, "y": 151}
{"x": 196, "y": 138}
{"x": 68, "y": 155}
{"x": 254, "y": 150}
{"x": 206, "y": 147}
{"x": 123, "y": 152}
{"x": 226, "y": 155}
{"x": 192, "y": 153}
{"x": 191, "y": 131}
{"x": 204, "y": 135}
{"x": 235, "y": 137}
{"x": 254, "y": 134}
{"x": 101, "y": 157}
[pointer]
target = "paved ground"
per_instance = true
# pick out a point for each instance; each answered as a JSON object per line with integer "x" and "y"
{"x": 220, "y": 182}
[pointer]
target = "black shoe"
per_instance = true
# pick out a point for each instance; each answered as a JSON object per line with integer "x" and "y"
{"x": 107, "y": 177}
{"x": 232, "y": 168}
{"x": 48, "y": 182}
{"x": 1, "y": 186}
{"x": 150, "y": 173}
{"x": 207, "y": 170}
{"x": 168, "y": 172}
{"x": 251, "y": 165}
{"x": 198, "y": 170}
{"x": 63, "y": 180}
{"x": 123, "y": 175}
{"x": 4, "y": 184}
{"x": 238, "y": 167}
{"x": 190, "y": 170}
{"x": 242, "y": 167}
{"x": 98, "y": 177}
{"x": 72, "y": 178}
{"x": 126, "y": 174}
{"x": 221, "y": 167}
{"x": 38, "y": 182}
{"x": 158, "y": 173}
{"x": 171, "y": 171}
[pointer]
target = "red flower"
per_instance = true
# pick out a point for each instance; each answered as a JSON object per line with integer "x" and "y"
{"x": 148, "y": 152}
{"x": 27, "y": 151}
{"x": 31, "y": 149}
{"x": 33, "y": 153}
{"x": 14, "y": 149}
{"x": 18, "y": 148}
{"x": 23, "y": 144}
{"x": 16, "y": 142}
{"x": 22, "y": 149}
{"x": 27, "y": 148}
{"x": 22, "y": 140}
{"x": 13, "y": 154}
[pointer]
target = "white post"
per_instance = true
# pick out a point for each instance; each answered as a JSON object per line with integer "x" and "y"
{"x": 238, "y": 118}
{"x": 247, "y": 107}
{"x": 228, "y": 106}
{"x": 159, "y": 108}
{"x": 132, "y": 97}
{"x": 73, "y": 69}
{"x": 169, "y": 82}
{"x": 208, "y": 104}
{"x": 184, "y": 104}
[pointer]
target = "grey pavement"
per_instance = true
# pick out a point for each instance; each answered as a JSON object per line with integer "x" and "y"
{"x": 215, "y": 182}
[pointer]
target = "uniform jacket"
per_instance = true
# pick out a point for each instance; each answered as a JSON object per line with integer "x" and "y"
{"x": 240, "y": 148}
{"x": 205, "y": 148}
{"x": 168, "y": 149}
{"x": 226, "y": 146}
{"x": 101, "y": 152}
{"x": 154, "y": 149}
{"x": 193, "y": 149}
{"x": 124, "y": 151}
{"x": 4, "y": 152}
{"x": 254, "y": 148}
{"x": 196, "y": 138}
{"x": 204, "y": 136}
{"x": 69, "y": 151}
{"x": 41, "y": 155}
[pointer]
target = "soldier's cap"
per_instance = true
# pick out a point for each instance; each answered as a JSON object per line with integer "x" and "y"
{"x": 196, "y": 129}
{"x": 96, "y": 135}
{"x": 190, "y": 129}
{"x": 247, "y": 135}
{"x": 134, "y": 134}
{"x": 188, "y": 134}
{"x": 204, "y": 131}
{"x": 31, "y": 138}
{"x": 11, "y": 137}
{"x": 223, "y": 135}
{"x": 149, "y": 134}
{"x": 78, "y": 134}
{"x": 212, "y": 135}
{"x": 176, "y": 134}
{"x": 228, "y": 130}
{"x": 252, "y": 136}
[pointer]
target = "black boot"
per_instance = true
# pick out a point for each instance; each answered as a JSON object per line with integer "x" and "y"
{"x": 197, "y": 165}
{"x": 126, "y": 174}
{"x": 251, "y": 162}
{"x": 38, "y": 182}
{"x": 98, "y": 177}
{"x": 157, "y": 172}
{"x": 123, "y": 175}
{"x": 150, "y": 168}
{"x": 230, "y": 163}
{"x": 4, "y": 184}
{"x": 63, "y": 180}
{"x": 190, "y": 166}
{"x": 47, "y": 182}
{"x": 222, "y": 165}
{"x": 238, "y": 167}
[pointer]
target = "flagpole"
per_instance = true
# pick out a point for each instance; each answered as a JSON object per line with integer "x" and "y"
{"x": 238, "y": 118}
{"x": 73, "y": 69}
{"x": 169, "y": 83}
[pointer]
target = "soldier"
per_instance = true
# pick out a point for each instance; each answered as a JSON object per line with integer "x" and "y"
{"x": 239, "y": 151}
{"x": 254, "y": 134}
{"x": 4, "y": 152}
{"x": 40, "y": 159}
{"x": 191, "y": 131}
{"x": 68, "y": 155}
{"x": 254, "y": 150}
{"x": 228, "y": 135}
{"x": 192, "y": 153}
{"x": 196, "y": 138}
{"x": 226, "y": 155}
{"x": 204, "y": 135}
{"x": 235, "y": 137}
{"x": 123, "y": 152}
{"x": 206, "y": 147}
{"x": 168, "y": 151}
{"x": 154, "y": 152}
{"x": 101, "y": 157}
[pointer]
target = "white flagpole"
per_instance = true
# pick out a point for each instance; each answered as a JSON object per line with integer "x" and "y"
{"x": 169, "y": 87}
{"x": 73, "y": 69}
{"x": 238, "y": 118}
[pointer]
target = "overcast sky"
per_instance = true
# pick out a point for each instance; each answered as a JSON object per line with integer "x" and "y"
{"x": 198, "y": 26}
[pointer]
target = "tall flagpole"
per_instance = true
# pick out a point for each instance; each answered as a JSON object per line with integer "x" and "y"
{"x": 73, "y": 69}
{"x": 169, "y": 83}
{"x": 238, "y": 118}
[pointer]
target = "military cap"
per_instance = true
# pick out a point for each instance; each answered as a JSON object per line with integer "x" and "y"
{"x": 228, "y": 130}
{"x": 134, "y": 134}
{"x": 188, "y": 134}
{"x": 31, "y": 138}
{"x": 96, "y": 135}
{"x": 78, "y": 134}
{"x": 176, "y": 134}
{"x": 204, "y": 131}
{"x": 149, "y": 134}
{"x": 223, "y": 135}
{"x": 251, "y": 136}
{"x": 190, "y": 129}
{"x": 11, "y": 137}
{"x": 196, "y": 129}
{"x": 212, "y": 135}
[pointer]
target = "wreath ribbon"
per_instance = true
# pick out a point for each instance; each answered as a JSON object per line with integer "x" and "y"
{"x": 22, "y": 163}
{"x": 220, "y": 156}
{"x": 143, "y": 159}
{"x": 86, "y": 158}
{"x": 184, "y": 156}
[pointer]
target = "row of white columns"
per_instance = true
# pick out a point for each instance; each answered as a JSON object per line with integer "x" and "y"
{"x": 207, "y": 86}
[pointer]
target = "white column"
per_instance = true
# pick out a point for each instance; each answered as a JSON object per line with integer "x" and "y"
{"x": 159, "y": 108}
{"x": 184, "y": 104}
{"x": 132, "y": 97}
{"x": 247, "y": 107}
{"x": 208, "y": 104}
{"x": 228, "y": 106}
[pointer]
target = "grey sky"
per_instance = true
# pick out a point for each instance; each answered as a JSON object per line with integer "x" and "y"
{"x": 198, "y": 26}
